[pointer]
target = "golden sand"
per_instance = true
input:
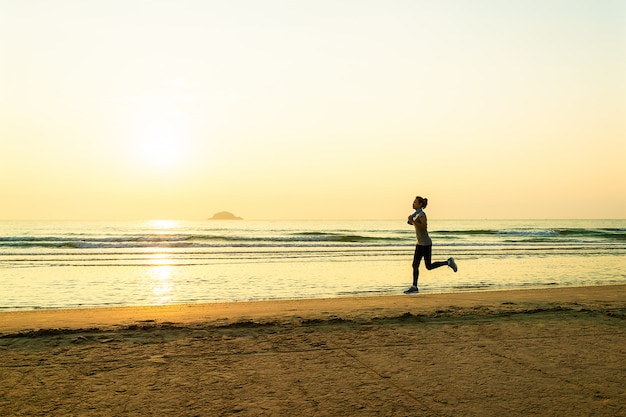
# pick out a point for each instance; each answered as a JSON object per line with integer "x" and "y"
{"x": 559, "y": 351}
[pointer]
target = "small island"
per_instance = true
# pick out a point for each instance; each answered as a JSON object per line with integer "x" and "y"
{"x": 225, "y": 215}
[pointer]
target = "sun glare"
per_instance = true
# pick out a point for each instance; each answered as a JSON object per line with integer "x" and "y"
{"x": 159, "y": 141}
{"x": 162, "y": 225}
{"x": 161, "y": 152}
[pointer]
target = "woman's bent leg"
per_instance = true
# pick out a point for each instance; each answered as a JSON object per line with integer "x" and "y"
{"x": 428, "y": 253}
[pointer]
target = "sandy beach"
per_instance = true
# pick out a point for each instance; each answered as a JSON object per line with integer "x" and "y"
{"x": 557, "y": 352}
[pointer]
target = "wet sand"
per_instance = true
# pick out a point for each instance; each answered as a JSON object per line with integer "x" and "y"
{"x": 559, "y": 351}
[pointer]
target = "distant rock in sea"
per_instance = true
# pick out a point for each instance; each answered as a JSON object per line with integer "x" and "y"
{"x": 225, "y": 215}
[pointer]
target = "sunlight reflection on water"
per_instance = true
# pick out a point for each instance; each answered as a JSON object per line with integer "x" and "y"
{"x": 160, "y": 282}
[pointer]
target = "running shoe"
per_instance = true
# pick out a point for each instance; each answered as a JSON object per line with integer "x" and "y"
{"x": 452, "y": 264}
{"x": 412, "y": 290}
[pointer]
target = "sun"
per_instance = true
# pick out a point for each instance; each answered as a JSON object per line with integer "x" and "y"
{"x": 160, "y": 151}
{"x": 160, "y": 145}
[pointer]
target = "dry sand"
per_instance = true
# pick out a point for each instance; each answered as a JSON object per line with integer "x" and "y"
{"x": 548, "y": 352}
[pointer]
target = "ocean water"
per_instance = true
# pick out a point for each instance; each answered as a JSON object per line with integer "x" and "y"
{"x": 90, "y": 264}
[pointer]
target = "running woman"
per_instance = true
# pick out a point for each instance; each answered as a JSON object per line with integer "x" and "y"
{"x": 424, "y": 246}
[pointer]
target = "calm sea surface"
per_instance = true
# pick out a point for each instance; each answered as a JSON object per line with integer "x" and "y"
{"x": 90, "y": 264}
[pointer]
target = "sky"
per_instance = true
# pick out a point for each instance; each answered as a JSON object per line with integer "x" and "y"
{"x": 325, "y": 109}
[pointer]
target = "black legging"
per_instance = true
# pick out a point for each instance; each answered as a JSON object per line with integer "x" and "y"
{"x": 425, "y": 252}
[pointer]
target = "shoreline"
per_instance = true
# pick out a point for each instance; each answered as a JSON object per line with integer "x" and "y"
{"x": 358, "y": 308}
